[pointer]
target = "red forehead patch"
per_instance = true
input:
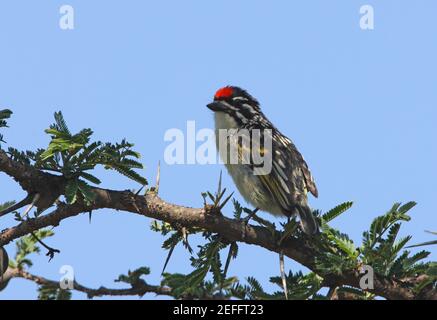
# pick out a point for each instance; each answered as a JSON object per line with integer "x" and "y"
{"x": 224, "y": 93}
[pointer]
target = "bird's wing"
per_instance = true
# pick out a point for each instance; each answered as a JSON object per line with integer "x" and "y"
{"x": 290, "y": 171}
{"x": 271, "y": 176}
{"x": 284, "y": 177}
{"x": 310, "y": 183}
{"x": 289, "y": 178}
{"x": 298, "y": 163}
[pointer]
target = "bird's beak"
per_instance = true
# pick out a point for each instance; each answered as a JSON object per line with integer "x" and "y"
{"x": 215, "y": 106}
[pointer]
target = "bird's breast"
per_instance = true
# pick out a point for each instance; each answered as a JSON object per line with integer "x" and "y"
{"x": 224, "y": 121}
{"x": 249, "y": 185}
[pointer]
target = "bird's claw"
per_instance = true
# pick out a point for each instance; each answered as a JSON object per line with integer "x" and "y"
{"x": 245, "y": 221}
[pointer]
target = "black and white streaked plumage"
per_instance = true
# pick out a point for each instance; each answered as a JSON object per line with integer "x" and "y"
{"x": 284, "y": 190}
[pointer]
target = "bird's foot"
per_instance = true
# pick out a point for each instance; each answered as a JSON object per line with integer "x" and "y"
{"x": 289, "y": 229}
{"x": 251, "y": 215}
{"x": 245, "y": 221}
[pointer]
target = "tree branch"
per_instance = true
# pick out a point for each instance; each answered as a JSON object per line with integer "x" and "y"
{"x": 139, "y": 289}
{"x": 208, "y": 218}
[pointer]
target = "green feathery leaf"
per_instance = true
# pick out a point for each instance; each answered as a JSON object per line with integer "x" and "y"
{"x": 338, "y": 210}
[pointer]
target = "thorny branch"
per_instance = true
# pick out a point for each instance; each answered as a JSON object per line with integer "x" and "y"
{"x": 139, "y": 289}
{"x": 207, "y": 218}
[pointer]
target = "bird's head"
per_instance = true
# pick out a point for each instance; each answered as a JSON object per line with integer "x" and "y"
{"x": 236, "y": 102}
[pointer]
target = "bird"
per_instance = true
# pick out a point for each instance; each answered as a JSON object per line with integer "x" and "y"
{"x": 283, "y": 190}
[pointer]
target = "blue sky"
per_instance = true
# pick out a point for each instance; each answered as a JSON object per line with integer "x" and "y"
{"x": 360, "y": 105}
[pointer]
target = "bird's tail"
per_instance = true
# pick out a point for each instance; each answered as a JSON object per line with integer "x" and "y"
{"x": 308, "y": 221}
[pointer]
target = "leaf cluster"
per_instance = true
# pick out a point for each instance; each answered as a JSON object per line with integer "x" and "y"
{"x": 75, "y": 155}
{"x": 4, "y": 114}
